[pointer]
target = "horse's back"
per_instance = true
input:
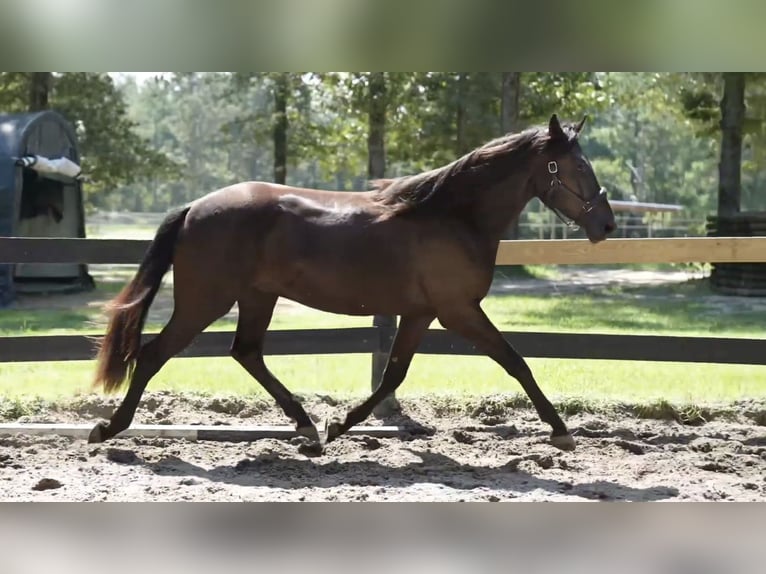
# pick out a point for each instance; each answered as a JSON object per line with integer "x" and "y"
{"x": 329, "y": 250}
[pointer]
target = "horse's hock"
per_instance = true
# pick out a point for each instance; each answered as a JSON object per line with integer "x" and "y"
{"x": 744, "y": 279}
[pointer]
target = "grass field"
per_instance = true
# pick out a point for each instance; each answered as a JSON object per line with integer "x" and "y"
{"x": 348, "y": 375}
{"x": 686, "y": 309}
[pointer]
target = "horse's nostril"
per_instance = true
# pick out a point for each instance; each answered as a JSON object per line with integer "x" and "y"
{"x": 610, "y": 227}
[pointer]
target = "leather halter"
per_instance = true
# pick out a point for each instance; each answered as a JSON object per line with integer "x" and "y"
{"x": 585, "y": 206}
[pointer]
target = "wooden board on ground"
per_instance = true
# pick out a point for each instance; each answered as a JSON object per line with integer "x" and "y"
{"x": 220, "y": 433}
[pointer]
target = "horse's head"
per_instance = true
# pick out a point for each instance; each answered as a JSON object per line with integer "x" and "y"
{"x": 566, "y": 184}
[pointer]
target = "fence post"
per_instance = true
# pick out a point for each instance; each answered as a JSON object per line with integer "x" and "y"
{"x": 386, "y": 326}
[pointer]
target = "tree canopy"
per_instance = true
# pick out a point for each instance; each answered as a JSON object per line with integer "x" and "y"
{"x": 165, "y": 141}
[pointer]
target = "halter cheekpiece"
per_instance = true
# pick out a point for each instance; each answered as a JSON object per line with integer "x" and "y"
{"x": 587, "y": 206}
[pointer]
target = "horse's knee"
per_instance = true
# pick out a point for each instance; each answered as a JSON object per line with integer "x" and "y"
{"x": 246, "y": 356}
{"x": 238, "y": 350}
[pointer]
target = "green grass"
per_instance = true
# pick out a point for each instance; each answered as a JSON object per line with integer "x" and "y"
{"x": 698, "y": 268}
{"x": 685, "y": 309}
{"x": 16, "y": 322}
{"x": 121, "y": 231}
{"x": 516, "y": 272}
{"x": 348, "y": 375}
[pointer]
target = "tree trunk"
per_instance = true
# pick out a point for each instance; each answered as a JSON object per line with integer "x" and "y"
{"x": 40, "y": 84}
{"x": 732, "y": 121}
{"x": 460, "y": 115}
{"x": 509, "y": 102}
{"x": 281, "y": 89}
{"x": 376, "y": 169}
{"x": 637, "y": 164}
{"x": 376, "y": 137}
{"x": 509, "y": 122}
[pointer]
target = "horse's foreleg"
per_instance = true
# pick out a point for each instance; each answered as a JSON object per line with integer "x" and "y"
{"x": 474, "y": 325}
{"x": 408, "y": 337}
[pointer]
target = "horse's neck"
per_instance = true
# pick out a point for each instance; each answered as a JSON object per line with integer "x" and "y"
{"x": 497, "y": 206}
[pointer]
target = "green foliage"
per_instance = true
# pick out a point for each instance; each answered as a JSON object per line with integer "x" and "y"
{"x": 112, "y": 152}
{"x": 754, "y": 152}
{"x": 14, "y": 88}
{"x": 15, "y": 407}
{"x": 183, "y": 116}
{"x": 570, "y": 94}
{"x": 645, "y": 145}
{"x": 172, "y": 139}
{"x": 700, "y": 98}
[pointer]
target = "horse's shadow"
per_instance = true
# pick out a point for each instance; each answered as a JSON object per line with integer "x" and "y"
{"x": 274, "y": 471}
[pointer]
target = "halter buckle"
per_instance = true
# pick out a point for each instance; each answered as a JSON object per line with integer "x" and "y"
{"x": 553, "y": 167}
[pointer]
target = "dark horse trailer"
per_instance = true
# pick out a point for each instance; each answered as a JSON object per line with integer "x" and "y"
{"x": 39, "y": 200}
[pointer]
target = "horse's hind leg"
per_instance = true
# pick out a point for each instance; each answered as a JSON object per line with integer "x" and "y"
{"x": 255, "y": 313}
{"x": 187, "y": 321}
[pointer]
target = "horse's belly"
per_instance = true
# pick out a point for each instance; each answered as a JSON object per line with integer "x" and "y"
{"x": 333, "y": 303}
{"x": 347, "y": 289}
{"x": 346, "y": 268}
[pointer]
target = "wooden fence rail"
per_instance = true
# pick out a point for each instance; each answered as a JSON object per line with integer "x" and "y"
{"x": 524, "y": 252}
{"x": 369, "y": 340}
{"x": 376, "y": 340}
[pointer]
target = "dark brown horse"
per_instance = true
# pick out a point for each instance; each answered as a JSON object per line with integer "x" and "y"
{"x": 422, "y": 247}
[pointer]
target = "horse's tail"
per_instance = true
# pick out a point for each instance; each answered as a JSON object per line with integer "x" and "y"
{"x": 119, "y": 347}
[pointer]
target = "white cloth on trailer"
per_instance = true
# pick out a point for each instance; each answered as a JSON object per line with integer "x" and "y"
{"x": 62, "y": 165}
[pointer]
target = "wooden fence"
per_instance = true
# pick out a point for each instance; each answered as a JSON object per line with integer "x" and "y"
{"x": 376, "y": 340}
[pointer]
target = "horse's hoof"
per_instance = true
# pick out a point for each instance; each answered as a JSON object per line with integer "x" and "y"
{"x": 333, "y": 428}
{"x": 310, "y": 432}
{"x": 565, "y": 442}
{"x": 311, "y": 449}
{"x": 97, "y": 434}
{"x": 386, "y": 408}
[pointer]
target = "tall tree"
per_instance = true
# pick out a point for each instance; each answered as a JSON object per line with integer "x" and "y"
{"x": 376, "y": 138}
{"x": 732, "y": 123}
{"x": 281, "y": 91}
{"x": 40, "y": 84}
{"x": 286, "y": 118}
{"x": 509, "y": 102}
{"x": 461, "y": 113}
{"x": 509, "y": 122}
{"x": 644, "y": 143}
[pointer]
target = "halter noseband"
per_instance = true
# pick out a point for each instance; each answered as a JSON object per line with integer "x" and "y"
{"x": 586, "y": 206}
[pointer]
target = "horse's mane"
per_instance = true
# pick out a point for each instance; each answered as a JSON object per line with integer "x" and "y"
{"x": 448, "y": 185}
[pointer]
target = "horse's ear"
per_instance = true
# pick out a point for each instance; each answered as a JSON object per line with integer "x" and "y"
{"x": 578, "y": 127}
{"x": 555, "y": 130}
